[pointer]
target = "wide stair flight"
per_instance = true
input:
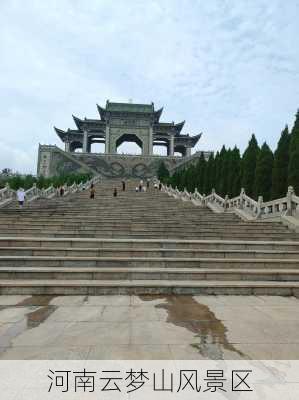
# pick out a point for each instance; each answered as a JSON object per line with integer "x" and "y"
{"x": 141, "y": 243}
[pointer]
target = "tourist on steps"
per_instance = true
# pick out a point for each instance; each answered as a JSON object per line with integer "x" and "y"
{"x": 21, "y": 197}
{"x": 61, "y": 191}
{"x": 115, "y": 192}
{"x": 140, "y": 185}
{"x": 124, "y": 185}
{"x": 92, "y": 191}
{"x": 148, "y": 183}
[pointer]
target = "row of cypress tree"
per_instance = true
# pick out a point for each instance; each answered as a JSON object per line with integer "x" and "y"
{"x": 258, "y": 170}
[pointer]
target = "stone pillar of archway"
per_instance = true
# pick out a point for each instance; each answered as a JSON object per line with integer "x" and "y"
{"x": 188, "y": 151}
{"x": 67, "y": 147}
{"x": 85, "y": 142}
{"x": 146, "y": 144}
{"x": 150, "y": 141}
{"x": 107, "y": 140}
{"x": 171, "y": 145}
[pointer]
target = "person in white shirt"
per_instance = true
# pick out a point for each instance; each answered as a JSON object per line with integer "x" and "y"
{"x": 21, "y": 197}
{"x": 140, "y": 185}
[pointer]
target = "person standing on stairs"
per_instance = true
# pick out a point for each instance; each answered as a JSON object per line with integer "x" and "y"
{"x": 115, "y": 192}
{"x": 21, "y": 197}
{"x": 147, "y": 183}
{"x": 124, "y": 185}
{"x": 92, "y": 191}
{"x": 140, "y": 185}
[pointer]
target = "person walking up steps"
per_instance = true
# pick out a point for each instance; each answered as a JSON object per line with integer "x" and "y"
{"x": 124, "y": 185}
{"x": 92, "y": 191}
{"x": 115, "y": 192}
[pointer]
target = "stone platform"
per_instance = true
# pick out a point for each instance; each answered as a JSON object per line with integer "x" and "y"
{"x": 54, "y": 161}
{"x": 149, "y": 327}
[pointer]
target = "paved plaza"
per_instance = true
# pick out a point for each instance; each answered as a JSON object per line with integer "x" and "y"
{"x": 149, "y": 327}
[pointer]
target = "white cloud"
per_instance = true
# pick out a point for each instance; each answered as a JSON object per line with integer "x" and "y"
{"x": 229, "y": 68}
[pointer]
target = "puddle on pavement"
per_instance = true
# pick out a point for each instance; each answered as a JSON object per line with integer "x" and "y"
{"x": 39, "y": 309}
{"x": 186, "y": 312}
{"x": 36, "y": 301}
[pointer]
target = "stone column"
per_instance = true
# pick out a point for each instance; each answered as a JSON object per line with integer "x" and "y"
{"x": 107, "y": 140}
{"x": 188, "y": 151}
{"x": 150, "y": 141}
{"x": 85, "y": 142}
{"x": 67, "y": 147}
{"x": 171, "y": 146}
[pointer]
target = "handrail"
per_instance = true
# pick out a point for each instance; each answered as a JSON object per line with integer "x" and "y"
{"x": 7, "y": 195}
{"x": 285, "y": 206}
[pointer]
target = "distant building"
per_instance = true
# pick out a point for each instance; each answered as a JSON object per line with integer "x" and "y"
{"x": 118, "y": 123}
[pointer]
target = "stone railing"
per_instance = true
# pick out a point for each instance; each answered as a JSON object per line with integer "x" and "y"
{"x": 7, "y": 195}
{"x": 242, "y": 204}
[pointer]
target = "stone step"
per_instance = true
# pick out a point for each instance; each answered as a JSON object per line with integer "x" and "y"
{"x": 133, "y": 217}
{"x": 104, "y": 231}
{"x": 96, "y": 287}
{"x": 129, "y": 243}
{"x": 144, "y": 230}
{"x": 139, "y": 226}
{"x": 146, "y": 252}
{"x": 151, "y": 262}
{"x": 172, "y": 274}
{"x": 150, "y": 235}
{"x": 141, "y": 243}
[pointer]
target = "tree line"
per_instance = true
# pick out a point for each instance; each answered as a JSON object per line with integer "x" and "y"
{"x": 259, "y": 171}
{"x": 27, "y": 181}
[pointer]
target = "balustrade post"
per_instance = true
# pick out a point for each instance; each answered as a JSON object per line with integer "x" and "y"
{"x": 259, "y": 206}
{"x": 242, "y": 194}
{"x": 289, "y": 200}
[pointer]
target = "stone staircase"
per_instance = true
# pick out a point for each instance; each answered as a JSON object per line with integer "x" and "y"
{"x": 141, "y": 243}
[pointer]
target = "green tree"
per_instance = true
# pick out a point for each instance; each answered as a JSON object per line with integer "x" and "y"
{"x": 163, "y": 173}
{"x": 200, "y": 173}
{"x": 190, "y": 178}
{"x": 234, "y": 173}
{"x": 293, "y": 168}
{"x": 218, "y": 170}
{"x": 209, "y": 175}
{"x": 280, "y": 166}
{"x": 263, "y": 173}
{"x": 249, "y": 165}
{"x": 225, "y": 155}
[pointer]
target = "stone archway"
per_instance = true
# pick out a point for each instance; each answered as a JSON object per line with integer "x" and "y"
{"x": 129, "y": 138}
{"x": 161, "y": 147}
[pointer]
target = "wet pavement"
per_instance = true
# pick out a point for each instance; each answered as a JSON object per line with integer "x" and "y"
{"x": 149, "y": 327}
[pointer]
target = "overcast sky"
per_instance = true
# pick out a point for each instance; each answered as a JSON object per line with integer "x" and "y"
{"x": 227, "y": 67}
